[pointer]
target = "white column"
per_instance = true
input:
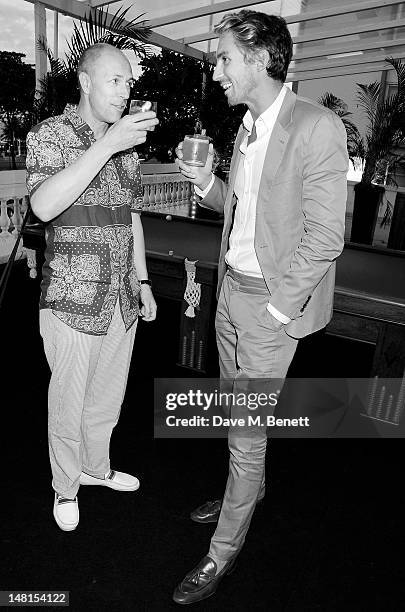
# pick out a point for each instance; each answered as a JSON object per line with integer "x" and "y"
{"x": 56, "y": 34}
{"x": 40, "y": 33}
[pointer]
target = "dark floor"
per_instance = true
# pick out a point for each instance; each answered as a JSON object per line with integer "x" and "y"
{"x": 327, "y": 538}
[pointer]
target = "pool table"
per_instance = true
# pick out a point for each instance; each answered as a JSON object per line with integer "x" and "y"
{"x": 369, "y": 301}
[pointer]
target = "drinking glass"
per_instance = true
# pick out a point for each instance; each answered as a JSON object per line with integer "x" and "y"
{"x": 195, "y": 149}
{"x": 141, "y": 106}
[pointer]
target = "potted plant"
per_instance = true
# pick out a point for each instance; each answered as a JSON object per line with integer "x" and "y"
{"x": 378, "y": 151}
{"x": 338, "y": 106}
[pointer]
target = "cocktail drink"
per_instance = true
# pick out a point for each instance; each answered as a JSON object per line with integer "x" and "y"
{"x": 141, "y": 106}
{"x": 195, "y": 149}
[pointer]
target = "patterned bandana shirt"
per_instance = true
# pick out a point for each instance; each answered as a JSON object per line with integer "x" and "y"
{"x": 89, "y": 256}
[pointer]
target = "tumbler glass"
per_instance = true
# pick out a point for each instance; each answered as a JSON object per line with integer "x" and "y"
{"x": 195, "y": 149}
{"x": 141, "y": 106}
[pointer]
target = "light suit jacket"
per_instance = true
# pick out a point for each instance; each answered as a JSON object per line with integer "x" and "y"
{"x": 300, "y": 212}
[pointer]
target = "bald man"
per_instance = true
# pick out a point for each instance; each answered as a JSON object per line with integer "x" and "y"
{"x": 84, "y": 181}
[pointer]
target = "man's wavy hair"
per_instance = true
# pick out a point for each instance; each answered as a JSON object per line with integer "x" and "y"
{"x": 253, "y": 31}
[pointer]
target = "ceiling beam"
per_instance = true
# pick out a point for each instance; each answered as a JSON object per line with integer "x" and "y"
{"x": 79, "y": 10}
{"x": 341, "y": 10}
{"x": 173, "y": 45}
{"x": 335, "y": 72}
{"x": 343, "y": 61}
{"x": 98, "y": 3}
{"x": 349, "y": 31}
{"x": 209, "y": 9}
{"x": 310, "y": 16}
{"x": 315, "y": 34}
{"x": 363, "y": 45}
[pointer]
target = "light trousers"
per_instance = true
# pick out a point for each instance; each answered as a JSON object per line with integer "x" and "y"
{"x": 248, "y": 349}
{"x": 88, "y": 381}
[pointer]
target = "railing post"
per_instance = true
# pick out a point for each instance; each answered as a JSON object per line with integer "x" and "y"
{"x": 16, "y": 217}
{"x": 165, "y": 192}
{"x": 152, "y": 195}
{"x": 158, "y": 195}
{"x": 6, "y": 239}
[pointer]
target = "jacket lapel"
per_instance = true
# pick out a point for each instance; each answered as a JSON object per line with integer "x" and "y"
{"x": 234, "y": 169}
{"x": 275, "y": 151}
{"x": 276, "y": 147}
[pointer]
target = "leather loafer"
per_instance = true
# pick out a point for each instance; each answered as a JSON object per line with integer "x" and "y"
{"x": 209, "y": 511}
{"x": 202, "y": 581}
{"x": 113, "y": 480}
{"x": 66, "y": 512}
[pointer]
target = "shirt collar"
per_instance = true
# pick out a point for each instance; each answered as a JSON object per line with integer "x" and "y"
{"x": 76, "y": 120}
{"x": 266, "y": 120}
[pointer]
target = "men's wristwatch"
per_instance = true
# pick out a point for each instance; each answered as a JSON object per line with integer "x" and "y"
{"x": 146, "y": 281}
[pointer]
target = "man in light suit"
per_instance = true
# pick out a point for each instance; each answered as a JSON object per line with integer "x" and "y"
{"x": 284, "y": 213}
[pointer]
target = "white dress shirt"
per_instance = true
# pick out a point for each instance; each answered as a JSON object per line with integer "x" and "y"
{"x": 241, "y": 255}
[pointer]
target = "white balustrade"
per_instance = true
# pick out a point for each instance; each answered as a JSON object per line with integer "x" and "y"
{"x": 13, "y": 205}
{"x": 165, "y": 192}
{"x": 11, "y": 218}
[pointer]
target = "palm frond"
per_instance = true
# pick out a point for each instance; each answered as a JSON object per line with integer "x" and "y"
{"x": 399, "y": 67}
{"x": 337, "y": 105}
{"x": 60, "y": 84}
{"x": 59, "y": 67}
{"x": 385, "y": 132}
{"x": 99, "y": 26}
{"x": 367, "y": 97}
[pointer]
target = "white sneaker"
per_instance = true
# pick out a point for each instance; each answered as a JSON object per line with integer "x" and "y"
{"x": 114, "y": 480}
{"x": 66, "y": 512}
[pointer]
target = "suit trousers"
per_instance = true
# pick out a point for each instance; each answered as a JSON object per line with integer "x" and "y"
{"x": 87, "y": 386}
{"x": 249, "y": 350}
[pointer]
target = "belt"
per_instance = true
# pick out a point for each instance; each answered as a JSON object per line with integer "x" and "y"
{"x": 246, "y": 280}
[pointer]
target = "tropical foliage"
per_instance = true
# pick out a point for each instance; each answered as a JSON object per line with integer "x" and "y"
{"x": 16, "y": 95}
{"x": 338, "y": 106}
{"x": 379, "y": 150}
{"x": 187, "y": 99}
{"x": 182, "y": 86}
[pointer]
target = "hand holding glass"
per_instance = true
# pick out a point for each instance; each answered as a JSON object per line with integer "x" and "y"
{"x": 195, "y": 149}
{"x": 141, "y": 106}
